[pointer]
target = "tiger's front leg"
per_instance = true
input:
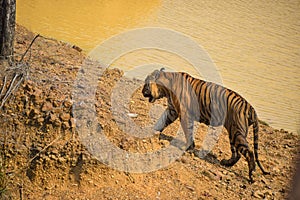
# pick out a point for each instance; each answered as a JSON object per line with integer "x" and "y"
{"x": 167, "y": 118}
{"x": 187, "y": 124}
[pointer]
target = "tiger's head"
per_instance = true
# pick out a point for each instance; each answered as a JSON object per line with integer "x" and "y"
{"x": 156, "y": 85}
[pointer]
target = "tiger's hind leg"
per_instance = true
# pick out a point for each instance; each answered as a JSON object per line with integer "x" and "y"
{"x": 235, "y": 157}
{"x": 242, "y": 147}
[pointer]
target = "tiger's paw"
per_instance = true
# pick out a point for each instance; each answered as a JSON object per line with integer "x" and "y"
{"x": 164, "y": 137}
{"x": 191, "y": 148}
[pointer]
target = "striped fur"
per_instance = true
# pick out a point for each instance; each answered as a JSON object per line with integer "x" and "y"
{"x": 191, "y": 99}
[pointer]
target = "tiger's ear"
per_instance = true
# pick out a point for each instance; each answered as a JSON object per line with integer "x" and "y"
{"x": 156, "y": 74}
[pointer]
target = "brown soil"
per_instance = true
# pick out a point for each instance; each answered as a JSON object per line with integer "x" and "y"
{"x": 44, "y": 159}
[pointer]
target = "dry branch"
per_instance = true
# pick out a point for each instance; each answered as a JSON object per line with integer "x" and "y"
{"x": 29, "y": 47}
{"x": 19, "y": 71}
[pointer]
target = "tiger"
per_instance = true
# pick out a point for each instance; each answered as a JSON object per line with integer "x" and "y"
{"x": 191, "y": 99}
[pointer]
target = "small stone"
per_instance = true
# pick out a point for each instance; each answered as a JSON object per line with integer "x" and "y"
{"x": 77, "y": 48}
{"x": 28, "y": 86}
{"x": 190, "y": 188}
{"x": 53, "y": 157}
{"x": 66, "y": 125}
{"x": 164, "y": 143}
{"x": 57, "y": 111}
{"x": 65, "y": 116}
{"x": 38, "y": 101}
{"x": 68, "y": 103}
{"x": 61, "y": 160}
{"x": 258, "y": 194}
{"x": 55, "y": 120}
{"x": 54, "y": 151}
{"x": 53, "y": 117}
{"x": 37, "y": 92}
{"x": 132, "y": 115}
{"x": 72, "y": 121}
{"x": 225, "y": 172}
{"x": 276, "y": 170}
{"x": 33, "y": 113}
{"x": 40, "y": 120}
{"x": 243, "y": 186}
{"x": 47, "y": 159}
{"x": 57, "y": 103}
{"x": 51, "y": 96}
{"x": 183, "y": 160}
{"x": 47, "y": 106}
{"x": 267, "y": 193}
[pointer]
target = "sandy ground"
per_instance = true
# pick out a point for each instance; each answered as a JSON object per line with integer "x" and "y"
{"x": 43, "y": 157}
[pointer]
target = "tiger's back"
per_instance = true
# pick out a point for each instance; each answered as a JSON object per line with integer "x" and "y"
{"x": 219, "y": 105}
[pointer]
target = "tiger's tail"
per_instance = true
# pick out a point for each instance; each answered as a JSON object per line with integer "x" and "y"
{"x": 255, "y": 139}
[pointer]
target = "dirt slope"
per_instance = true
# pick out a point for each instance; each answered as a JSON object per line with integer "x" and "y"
{"x": 44, "y": 159}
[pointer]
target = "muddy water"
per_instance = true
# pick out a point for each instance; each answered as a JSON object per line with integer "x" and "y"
{"x": 255, "y": 45}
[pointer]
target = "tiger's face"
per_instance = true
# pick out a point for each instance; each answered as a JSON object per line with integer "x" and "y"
{"x": 153, "y": 88}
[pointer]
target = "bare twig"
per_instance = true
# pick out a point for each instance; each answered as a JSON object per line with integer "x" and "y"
{"x": 29, "y": 47}
{"x": 18, "y": 84}
{"x": 3, "y": 86}
{"x": 46, "y": 147}
{"x": 34, "y": 157}
{"x": 11, "y": 88}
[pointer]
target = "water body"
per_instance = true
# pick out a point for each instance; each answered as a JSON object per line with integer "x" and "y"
{"x": 255, "y": 45}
